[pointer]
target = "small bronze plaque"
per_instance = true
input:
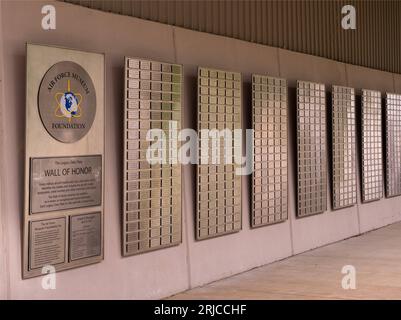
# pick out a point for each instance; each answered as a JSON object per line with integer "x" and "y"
{"x": 46, "y": 243}
{"x": 65, "y": 183}
{"x": 67, "y": 101}
{"x": 85, "y": 236}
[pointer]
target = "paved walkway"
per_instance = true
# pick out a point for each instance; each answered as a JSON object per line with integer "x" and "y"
{"x": 316, "y": 274}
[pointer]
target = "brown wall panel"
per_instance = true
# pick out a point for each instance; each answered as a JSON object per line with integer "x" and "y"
{"x": 312, "y": 27}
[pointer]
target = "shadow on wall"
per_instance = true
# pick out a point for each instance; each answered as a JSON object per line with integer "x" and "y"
{"x": 292, "y": 142}
{"x": 190, "y": 121}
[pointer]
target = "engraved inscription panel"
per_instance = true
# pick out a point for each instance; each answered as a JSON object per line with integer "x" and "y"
{"x": 46, "y": 242}
{"x": 218, "y": 204}
{"x": 270, "y": 162}
{"x": 393, "y": 144}
{"x": 372, "y": 171}
{"x": 311, "y": 145}
{"x": 152, "y": 190}
{"x": 343, "y": 147}
{"x": 85, "y": 235}
{"x": 65, "y": 182}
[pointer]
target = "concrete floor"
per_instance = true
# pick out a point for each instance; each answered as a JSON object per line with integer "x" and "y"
{"x": 316, "y": 274}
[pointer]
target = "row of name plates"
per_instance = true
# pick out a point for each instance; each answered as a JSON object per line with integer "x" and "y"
{"x": 71, "y": 188}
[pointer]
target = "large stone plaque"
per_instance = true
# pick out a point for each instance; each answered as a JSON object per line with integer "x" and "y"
{"x": 85, "y": 236}
{"x": 64, "y": 159}
{"x": 47, "y": 242}
{"x": 65, "y": 183}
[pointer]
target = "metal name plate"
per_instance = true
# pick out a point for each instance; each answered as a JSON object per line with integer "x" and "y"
{"x": 47, "y": 242}
{"x": 270, "y": 155}
{"x": 372, "y": 171}
{"x": 152, "y": 190}
{"x": 343, "y": 147}
{"x": 65, "y": 183}
{"x": 67, "y": 101}
{"x": 311, "y": 145}
{"x": 85, "y": 236}
{"x": 393, "y": 144}
{"x": 218, "y": 186}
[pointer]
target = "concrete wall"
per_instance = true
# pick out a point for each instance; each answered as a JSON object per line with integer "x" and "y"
{"x": 3, "y": 229}
{"x": 193, "y": 263}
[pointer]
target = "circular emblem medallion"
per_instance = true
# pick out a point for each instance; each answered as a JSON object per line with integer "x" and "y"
{"x": 67, "y": 101}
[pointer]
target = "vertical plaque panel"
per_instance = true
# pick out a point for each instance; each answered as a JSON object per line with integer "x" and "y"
{"x": 372, "y": 171}
{"x": 393, "y": 144}
{"x": 311, "y": 144}
{"x": 343, "y": 147}
{"x": 152, "y": 190}
{"x": 269, "y": 181}
{"x": 64, "y": 156}
{"x": 218, "y": 186}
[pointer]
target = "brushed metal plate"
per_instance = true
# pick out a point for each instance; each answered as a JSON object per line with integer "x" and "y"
{"x": 393, "y": 144}
{"x": 270, "y": 150}
{"x": 61, "y": 183}
{"x": 218, "y": 207}
{"x": 152, "y": 192}
{"x": 311, "y": 145}
{"x": 47, "y": 242}
{"x": 85, "y": 236}
{"x": 343, "y": 147}
{"x": 372, "y": 170}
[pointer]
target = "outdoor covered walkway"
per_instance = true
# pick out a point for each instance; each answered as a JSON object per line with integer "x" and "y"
{"x": 316, "y": 274}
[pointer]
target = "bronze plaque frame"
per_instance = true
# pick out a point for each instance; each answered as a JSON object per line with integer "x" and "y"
{"x": 343, "y": 142}
{"x": 372, "y": 156}
{"x": 392, "y": 117}
{"x": 41, "y": 145}
{"x": 152, "y": 216}
{"x": 270, "y": 150}
{"x": 311, "y": 149}
{"x": 219, "y": 198}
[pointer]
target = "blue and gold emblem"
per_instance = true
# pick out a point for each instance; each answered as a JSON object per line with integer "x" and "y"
{"x": 68, "y": 103}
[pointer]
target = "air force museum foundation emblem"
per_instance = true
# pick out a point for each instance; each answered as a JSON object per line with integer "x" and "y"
{"x": 67, "y": 101}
